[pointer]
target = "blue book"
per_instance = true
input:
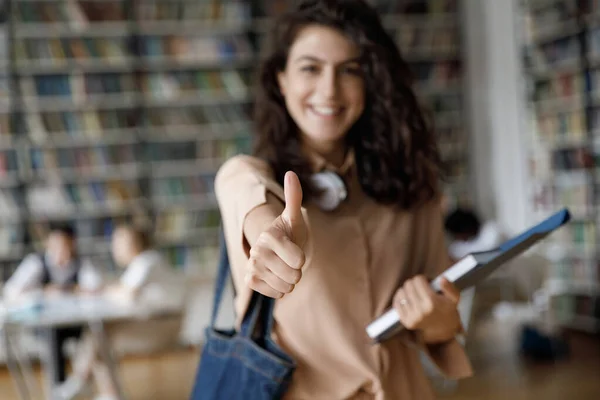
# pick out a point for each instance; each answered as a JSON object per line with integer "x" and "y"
{"x": 473, "y": 268}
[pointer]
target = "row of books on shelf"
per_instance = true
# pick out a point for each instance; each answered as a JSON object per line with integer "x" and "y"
{"x": 554, "y": 126}
{"x": 437, "y": 74}
{"x": 171, "y": 118}
{"x": 79, "y": 14}
{"x": 221, "y": 149}
{"x": 455, "y": 169}
{"x": 184, "y": 188}
{"x": 8, "y": 162}
{"x": 174, "y": 84}
{"x": 577, "y": 270}
{"x": 200, "y": 48}
{"x": 92, "y": 124}
{"x": 565, "y": 51}
{"x": 458, "y": 196}
{"x": 234, "y": 11}
{"x": 84, "y": 157}
{"x": 195, "y": 261}
{"x": 553, "y": 12}
{"x": 10, "y": 203}
{"x": 82, "y": 14}
{"x": 180, "y": 223}
{"x": 563, "y": 86}
{"x": 574, "y": 159}
{"x": 98, "y": 124}
{"x": 76, "y": 86}
{"x": 580, "y": 234}
{"x": 52, "y": 200}
{"x": 158, "y": 84}
{"x": 427, "y": 38}
{"x": 444, "y": 103}
{"x": 51, "y": 51}
{"x": 578, "y": 197}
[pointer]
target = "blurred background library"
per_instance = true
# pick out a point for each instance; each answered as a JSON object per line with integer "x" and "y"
{"x": 120, "y": 112}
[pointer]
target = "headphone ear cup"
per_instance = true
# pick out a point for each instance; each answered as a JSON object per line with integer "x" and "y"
{"x": 332, "y": 188}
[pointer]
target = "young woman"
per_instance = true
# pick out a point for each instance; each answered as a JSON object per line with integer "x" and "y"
{"x": 337, "y": 122}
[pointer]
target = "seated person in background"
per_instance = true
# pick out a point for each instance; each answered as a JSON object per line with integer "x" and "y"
{"x": 468, "y": 235}
{"x": 58, "y": 269}
{"x": 147, "y": 280}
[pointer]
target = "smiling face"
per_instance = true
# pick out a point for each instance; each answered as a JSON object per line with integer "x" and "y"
{"x": 323, "y": 86}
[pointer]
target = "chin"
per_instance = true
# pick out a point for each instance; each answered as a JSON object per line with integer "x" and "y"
{"x": 326, "y": 137}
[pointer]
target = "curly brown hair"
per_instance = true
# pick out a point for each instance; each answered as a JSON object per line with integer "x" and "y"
{"x": 395, "y": 149}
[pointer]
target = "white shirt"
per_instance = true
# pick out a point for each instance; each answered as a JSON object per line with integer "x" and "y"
{"x": 155, "y": 280}
{"x": 489, "y": 236}
{"x": 30, "y": 272}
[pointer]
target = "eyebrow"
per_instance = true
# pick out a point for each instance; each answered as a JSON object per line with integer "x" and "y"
{"x": 316, "y": 59}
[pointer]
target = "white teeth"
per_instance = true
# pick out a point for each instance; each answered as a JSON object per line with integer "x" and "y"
{"x": 326, "y": 111}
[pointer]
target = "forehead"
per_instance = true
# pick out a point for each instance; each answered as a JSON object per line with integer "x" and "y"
{"x": 324, "y": 43}
{"x": 58, "y": 237}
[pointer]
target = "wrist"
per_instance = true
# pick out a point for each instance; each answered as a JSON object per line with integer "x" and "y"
{"x": 435, "y": 338}
{"x": 440, "y": 336}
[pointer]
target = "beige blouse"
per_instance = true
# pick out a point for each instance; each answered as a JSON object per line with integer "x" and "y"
{"x": 361, "y": 253}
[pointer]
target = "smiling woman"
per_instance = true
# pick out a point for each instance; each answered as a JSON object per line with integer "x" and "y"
{"x": 347, "y": 60}
{"x": 334, "y": 101}
{"x": 323, "y": 88}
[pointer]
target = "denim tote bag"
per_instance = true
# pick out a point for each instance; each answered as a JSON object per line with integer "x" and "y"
{"x": 247, "y": 364}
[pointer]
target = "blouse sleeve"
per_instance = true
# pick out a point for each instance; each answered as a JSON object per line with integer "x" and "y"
{"x": 449, "y": 357}
{"x": 241, "y": 185}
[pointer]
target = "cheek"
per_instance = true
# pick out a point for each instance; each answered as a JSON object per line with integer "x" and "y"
{"x": 298, "y": 92}
{"x": 356, "y": 96}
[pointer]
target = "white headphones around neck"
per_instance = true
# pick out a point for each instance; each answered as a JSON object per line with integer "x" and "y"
{"x": 333, "y": 190}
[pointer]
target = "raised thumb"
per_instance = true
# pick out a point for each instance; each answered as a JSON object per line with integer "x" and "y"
{"x": 292, "y": 190}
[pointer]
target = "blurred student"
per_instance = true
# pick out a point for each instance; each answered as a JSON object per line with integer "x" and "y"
{"x": 58, "y": 270}
{"x": 468, "y": 234}
{"x": 148, "y": 280}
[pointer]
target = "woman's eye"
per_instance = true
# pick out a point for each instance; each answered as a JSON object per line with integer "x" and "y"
{"x": 309, "y": 68}
{"x": 352, "y": 71}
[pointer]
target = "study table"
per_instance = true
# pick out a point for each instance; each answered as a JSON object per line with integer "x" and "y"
{"x": 43, "y": 313}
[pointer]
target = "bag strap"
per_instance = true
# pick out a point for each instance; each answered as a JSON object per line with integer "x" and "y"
{"x": 260, "y": 308}
{"x": 222, "y": 273}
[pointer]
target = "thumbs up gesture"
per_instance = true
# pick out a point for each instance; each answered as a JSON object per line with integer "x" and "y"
{"x": 276, "y": 259}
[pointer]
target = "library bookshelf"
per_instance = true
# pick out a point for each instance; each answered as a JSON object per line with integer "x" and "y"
{"x": 123, "y": 110}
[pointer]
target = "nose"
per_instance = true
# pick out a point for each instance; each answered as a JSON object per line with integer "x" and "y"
{"x": 328, "y": 84}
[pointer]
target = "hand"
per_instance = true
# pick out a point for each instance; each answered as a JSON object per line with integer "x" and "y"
{"x": 420, "y": 308}
{"x": 276, "y": 259}
{"x": 118, "y": 292}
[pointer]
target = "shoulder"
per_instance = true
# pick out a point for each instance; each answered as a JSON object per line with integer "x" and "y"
{"x": 245, "y": 174}
{"x": 244, "y": 167}
{"x": 33, "y": 260}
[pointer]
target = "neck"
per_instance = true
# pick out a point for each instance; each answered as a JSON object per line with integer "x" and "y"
{"x": 333, "y": 153}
